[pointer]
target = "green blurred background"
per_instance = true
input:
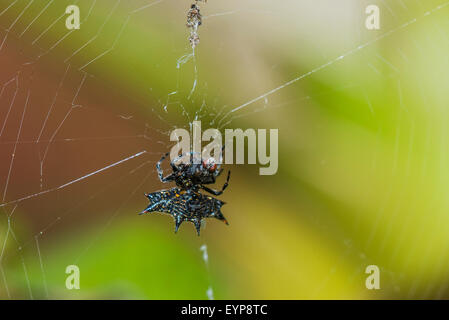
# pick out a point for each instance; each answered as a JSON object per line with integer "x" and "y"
{"x": 363, "y": 147}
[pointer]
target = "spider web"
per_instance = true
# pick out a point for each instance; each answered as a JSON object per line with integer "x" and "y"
{"x": 68, "y": 144}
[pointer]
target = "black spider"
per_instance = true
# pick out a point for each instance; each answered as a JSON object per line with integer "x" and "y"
{"x": 185, "y": 202}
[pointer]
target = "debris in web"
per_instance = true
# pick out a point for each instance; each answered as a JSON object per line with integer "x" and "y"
{"x": 59, "y": 112}
{"x": 194, "y": 21}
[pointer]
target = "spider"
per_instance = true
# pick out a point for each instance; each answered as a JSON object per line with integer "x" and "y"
{"x": 184, "y": 202}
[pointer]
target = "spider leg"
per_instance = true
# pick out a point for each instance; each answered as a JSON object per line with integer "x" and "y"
{"x": 160, "y": 172}
{"x": 215, "y": 192}
{"x": 218, "y": 215}
{"x": 220, "y": 161}
{"x": 221, "y": 153}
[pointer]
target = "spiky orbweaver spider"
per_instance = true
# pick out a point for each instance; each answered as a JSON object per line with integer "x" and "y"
{"x": 185, "y": 202}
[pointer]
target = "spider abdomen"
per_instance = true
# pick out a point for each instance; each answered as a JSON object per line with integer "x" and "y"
{"x": 185, "y": 206}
